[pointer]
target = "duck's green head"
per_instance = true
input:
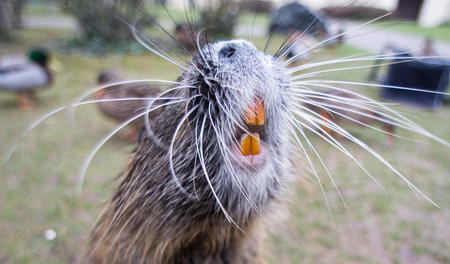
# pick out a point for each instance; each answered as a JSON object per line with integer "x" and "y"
{"x": 39, "y": 55}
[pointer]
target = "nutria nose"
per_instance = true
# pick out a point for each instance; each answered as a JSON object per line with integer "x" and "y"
{"x": 227, "y": 51}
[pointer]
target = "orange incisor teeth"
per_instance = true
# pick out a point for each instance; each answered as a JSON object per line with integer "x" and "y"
{"x": 255, "y": 114}
{"x": 250, "y": 116}
{"x": 246, "y": 144}
{"x": 260, "y": 115}
{"x": 250, "y": 144}
{"x": 255, "y": 144}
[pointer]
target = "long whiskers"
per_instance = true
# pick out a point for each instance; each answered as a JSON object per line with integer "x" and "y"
{"x": 319, "y": 131}
{"x": 155, "y": 50}
{"x": 399, "y": 118}
{"x": 199, "y": 146}
{"x": 365, "y": 147}
{"x": 112, "y": 133}
{"x": 225, "y": 153}
{"x": 374, "y": 85}
{"x": 172, "y": 142}
{"x": 101, "y": 87}
{"x": 60, "y": 109}
{"x": 289, "y": 61}
{"x": 316, "y": 174}
{"x": 147, "y": 124}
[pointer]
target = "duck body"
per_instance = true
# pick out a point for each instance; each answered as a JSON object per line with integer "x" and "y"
{"x": 122, "y": 111}
{"x": 23, "y": 76}
{"x": 140, "y": 95}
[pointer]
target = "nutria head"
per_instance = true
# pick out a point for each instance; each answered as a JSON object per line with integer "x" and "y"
{"x": 231, "y": 148}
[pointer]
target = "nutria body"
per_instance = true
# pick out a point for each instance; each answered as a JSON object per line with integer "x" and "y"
{"x": 192, "y": 195}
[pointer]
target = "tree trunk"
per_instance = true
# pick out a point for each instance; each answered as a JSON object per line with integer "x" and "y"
{"x": 5, "y": 29}
{"x": 10, "y": 17}
{"x": 17, "y": 7}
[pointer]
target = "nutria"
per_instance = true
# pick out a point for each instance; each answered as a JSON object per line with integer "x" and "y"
{"x": 199, "y": 189}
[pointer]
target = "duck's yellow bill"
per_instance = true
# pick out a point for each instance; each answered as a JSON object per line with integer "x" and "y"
{"x": 55, "y": 65}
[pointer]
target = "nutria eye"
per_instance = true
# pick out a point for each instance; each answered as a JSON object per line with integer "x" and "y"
{"x": 227, "y": 52}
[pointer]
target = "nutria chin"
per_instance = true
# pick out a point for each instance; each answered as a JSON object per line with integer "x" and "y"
{"x": 201, "y": 187}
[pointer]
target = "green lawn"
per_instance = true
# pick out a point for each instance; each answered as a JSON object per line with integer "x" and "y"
{"x": 40, "y": 8}
{"x": 38, "y": 184}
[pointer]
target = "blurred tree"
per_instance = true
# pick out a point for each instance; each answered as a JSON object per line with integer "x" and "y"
{"x": 219, "y": 17}
{"x": 17, "y": 7}
{"x": 5, "y": 31}
{"x": 10, "y": 16}
{"x": 103, "y": 19}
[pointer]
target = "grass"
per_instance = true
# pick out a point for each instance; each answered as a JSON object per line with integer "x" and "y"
{"x": 38, "y": 184}
{"x": 40, "y": 8}
{"x": 251, "y": 18}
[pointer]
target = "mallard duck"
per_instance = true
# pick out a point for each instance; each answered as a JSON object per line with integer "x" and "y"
{"x": 122, "y": 111}
{"x": 25, "y": 75}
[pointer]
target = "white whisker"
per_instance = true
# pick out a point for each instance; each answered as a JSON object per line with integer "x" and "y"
{"x": 105, "y": 139}
{"x": 225, "y": 151}
{"x": 147, "y": 124}
{"x": 316, "y": 174}
{"x": 329, "y": 139}
{"x": 172, "y": 142}
{"x": 289, "y": 61}
{"x": 373, "y": 153}
{"x": 52, "y": 113}
{"x": 402, "y": 119}
{"x": 374, "y": 85}
{"x": 205, "y": 171}
{"x": 160, "y": 53}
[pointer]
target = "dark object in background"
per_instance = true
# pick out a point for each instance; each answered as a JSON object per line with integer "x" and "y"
{"x": 408, "y": 9}
{"x": 296, "y": 17}
{"x": 429, "y": 75}
{"x": 257, "y": 6}
{"x": 354, "y": 12}
{"x": 188, "y": 36}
